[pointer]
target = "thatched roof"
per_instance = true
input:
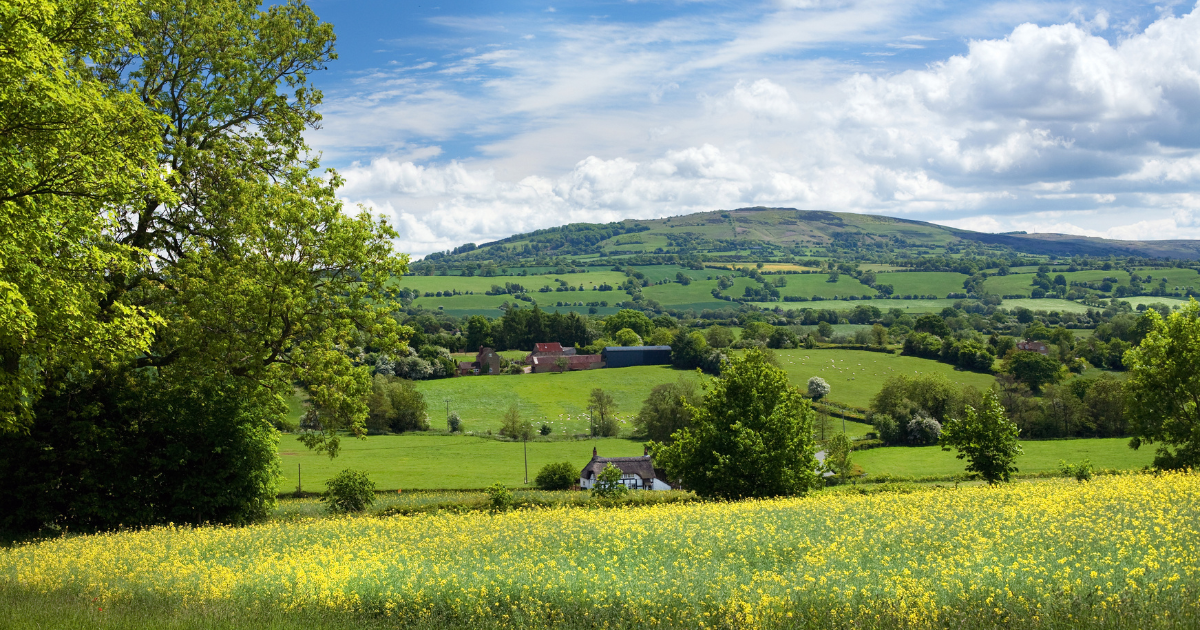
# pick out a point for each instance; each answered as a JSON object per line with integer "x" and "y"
{"x": 640, "y": 466}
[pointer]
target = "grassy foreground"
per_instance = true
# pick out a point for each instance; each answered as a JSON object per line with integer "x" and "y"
{"x": 1116, "y": 552}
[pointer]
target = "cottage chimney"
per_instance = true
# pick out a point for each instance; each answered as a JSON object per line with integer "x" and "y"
{"x": 645, "y": 451}
{"x": 593, "y": 452}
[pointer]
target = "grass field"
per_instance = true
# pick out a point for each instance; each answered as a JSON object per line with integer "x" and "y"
{"x": 415, "y": 460}
{"x": 918, "y": 461}
{"x": 855, "y": 376}
{"x": 937, "y": 283}
{"x": 1118, "y": 552}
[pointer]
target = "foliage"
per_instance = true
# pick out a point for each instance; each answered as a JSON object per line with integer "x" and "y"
{"x": 923, "y": 430}
{"x": 1033, "y": 368}
{"x": 557, "y": 476}
{"x": 626, "y": 337}
{"x": 501, "y": 497}
{"x": 901, "y": 398}
{"x": 545, "y": 429}
{"x": 751, "y": 436}
{"x": 628, "y": 318}
{"x": 602, "y": 408}
{"x": 76, "y": 149}
{"x": 396, "y": 405}
{"x": 666, "y": 410}
{"x": 817, "y": 388}
{"x": 865, "y": 542}
{"x": 514, "y": 427}
{"x": 837, "y": 457}
{"x": 1081, "y": 471}
{"x": 349, "y": 491}
{"x": 608, "y": 483}
{"x": 689, "y": 351}
{"x": 783, "y": 338}
{"x": 1164, "y": 388}
{"x": 986, "y": 438}
{"x": 718, "y": 336}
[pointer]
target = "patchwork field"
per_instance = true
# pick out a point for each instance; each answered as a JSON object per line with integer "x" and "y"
{"x": 1118, "y": 552}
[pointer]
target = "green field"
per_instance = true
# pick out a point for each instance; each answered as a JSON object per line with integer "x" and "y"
{"x": 416, "y": 460}
{"x": 916, "y": 461}
{"x": 937, "y": 283}
{"x": 855, "y": 376}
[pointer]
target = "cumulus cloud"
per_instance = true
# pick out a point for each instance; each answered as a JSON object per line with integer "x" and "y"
{"x": 1049, "y": 128}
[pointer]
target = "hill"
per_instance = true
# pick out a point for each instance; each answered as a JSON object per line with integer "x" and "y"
{"x": 787, "y": 231}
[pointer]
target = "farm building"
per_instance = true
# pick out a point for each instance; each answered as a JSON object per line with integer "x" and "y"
{"x": 1033, "y": 346}
{"x": 551, "y": 350}
{"x": 626, "y": 356}
{"x": 637, "y": 473}
{"x": 574, "y": 362}
{"x": 486, "y": 362}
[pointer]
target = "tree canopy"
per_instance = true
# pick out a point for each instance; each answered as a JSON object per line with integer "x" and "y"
{"x": 1164, "y": 388}
{"x": 986, "y": 438}
{"x": 750, "y": 437}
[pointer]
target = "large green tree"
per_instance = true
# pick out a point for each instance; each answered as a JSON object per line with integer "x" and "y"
{"x": 73, "y": 149}
{"x": 1164, "y": 388}
{"x": 242, "y": 266}
{"x": 750, "y": 437}
{"x": 986, "y": 438}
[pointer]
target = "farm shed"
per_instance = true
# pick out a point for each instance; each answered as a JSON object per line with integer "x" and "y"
{"x": 574, "y": 362}
{"x": 637, "y": 473}
{"x": 626, "y": 356}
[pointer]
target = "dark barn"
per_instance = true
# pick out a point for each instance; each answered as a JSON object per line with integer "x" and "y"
{"x": 627, "y": 356}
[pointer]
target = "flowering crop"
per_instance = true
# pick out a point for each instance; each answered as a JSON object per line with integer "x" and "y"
{"x": 1119, "y": 550}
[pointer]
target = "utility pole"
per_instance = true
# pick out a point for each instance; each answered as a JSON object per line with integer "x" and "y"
{"x": 525, "y": 445}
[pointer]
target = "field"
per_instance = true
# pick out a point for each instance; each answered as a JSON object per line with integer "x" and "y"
{"x": 1040, "y": 456}
{"x": 1118, "y": 552}
{"x": 416, "y": 461}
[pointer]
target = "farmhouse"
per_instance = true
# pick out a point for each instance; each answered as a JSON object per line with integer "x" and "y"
{"x": 574, "y": 362}
{"x": 1033, "y": 346}
{"x": 486, "y": 362}
{"x": 551, "y": 350}
{"x": 637, "y": 473}
{"x": 626, "y": 356}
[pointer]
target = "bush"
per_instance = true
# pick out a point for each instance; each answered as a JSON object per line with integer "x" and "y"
{"x": 455, "y": 422}
{"x": 502, "y": 498}
{"x": 396, "y": 405}
{"x": 545, "y": 430}
{"x": 1081, "y": 471}
{"x": 663, "y": 412}
{"x": 923, "y": 430}
{"x": 349, "y": 491}
{"x": 560, "y": 476}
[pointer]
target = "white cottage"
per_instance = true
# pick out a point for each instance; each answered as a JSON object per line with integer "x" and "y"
{"x": 637, "y": 473}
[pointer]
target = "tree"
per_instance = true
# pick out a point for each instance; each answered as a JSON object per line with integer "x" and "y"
{"x": 986, "y": 438}
{"x": 626, "y": 337}
{"x": 666, "y": 410}
{"x": 628, "y": 318}
{"x": 1033, "y": 368}
{"x": 601, "y": 406}
{"x": 879, "y": 334}
{"x": 557, "y": 476}
{"x": 608, "y": 483}
{"x": 396, "y": 405}
{"x": 932, "y": 324}
{"x": 77, "y": 148}
{"x": 689, "y": 351}
{"x": 562, "y": 363}
{"x": 209, "y": 245}
{"x": 757, "y": 331}
{"x": 349, "y": 491}
{"x": 1164, "y": 388}
{"x": 718, "y": 336}
{"x": 479, "y": 333}
{"x": 837, "y": 457}
{"x": 817, "y": 388}
{"x": 513, "y": 427}
{"x": 783, "y": 338}
{"x": 750, "y": 437}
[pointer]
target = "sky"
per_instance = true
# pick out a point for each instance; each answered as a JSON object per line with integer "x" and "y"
{"x": 471, "y": 121}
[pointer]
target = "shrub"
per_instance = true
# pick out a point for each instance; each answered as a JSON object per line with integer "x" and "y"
{"x": 560, "y": 476}
{"x": 923, "y": 430}
{"x": 664, "y": 411}
{"x": 455, "y": 422}
{"x": 1081, "y": 471}
{"x": 608, "y": 483}
{"x": 349, "y": 491}
{"x": 502, "y": 498}
{"x": 545, "y": 429}
{"x": 817, "y": 388}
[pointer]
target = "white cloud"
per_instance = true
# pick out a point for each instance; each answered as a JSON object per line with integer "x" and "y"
{"x": 1048, "y": 119}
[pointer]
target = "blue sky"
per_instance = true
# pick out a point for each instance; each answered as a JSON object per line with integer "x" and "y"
{"x": 470, "y": 121}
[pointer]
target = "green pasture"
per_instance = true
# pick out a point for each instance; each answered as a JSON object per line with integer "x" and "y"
{"x": 1047, "y": 304}
{"x": 810, "y": 284}
{"x": 556, "y": 399}
{"x": 672, "y": 294}
{"x": 1022, "y": 283}
{"x": 916, "y": 461}
{"x": 1150, "y": 299}
{"x": 417, "y": 461}
{"x": 855, "y": 376}
{"x": 937, "y": 283}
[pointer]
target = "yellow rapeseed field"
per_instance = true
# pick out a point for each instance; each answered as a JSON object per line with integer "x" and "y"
{"x": 1121, "y": 547}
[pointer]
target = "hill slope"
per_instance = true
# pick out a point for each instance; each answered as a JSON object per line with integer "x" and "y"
{"x": 799, "y": 232}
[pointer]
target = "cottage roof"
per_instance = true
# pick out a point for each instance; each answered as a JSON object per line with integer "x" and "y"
{"x": 640, "y": 466}
{"x": 467, "y": 365}
{"x": 635, "y": 348}
{"x": 1033, "y": 346}
{"x": 548, "y": 347}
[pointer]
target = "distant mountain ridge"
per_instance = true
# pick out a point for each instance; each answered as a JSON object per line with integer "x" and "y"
{"x": 799, "y": 232}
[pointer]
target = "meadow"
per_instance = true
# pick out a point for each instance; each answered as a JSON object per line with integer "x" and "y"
{"x": 1116, "y": 552}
